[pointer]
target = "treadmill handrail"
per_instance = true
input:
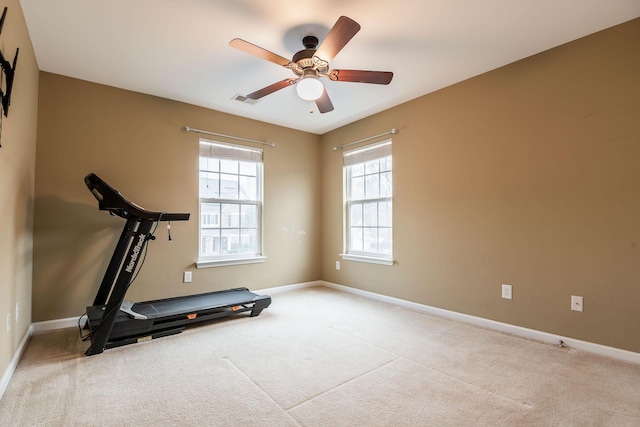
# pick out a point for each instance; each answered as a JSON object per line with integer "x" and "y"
{"x": 109, "y": 199}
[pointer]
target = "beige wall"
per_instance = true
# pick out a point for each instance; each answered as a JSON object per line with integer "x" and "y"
{"x": 135, "y": 143}
{"x": 17, "y": 175}
{"x": 527, "y": 175}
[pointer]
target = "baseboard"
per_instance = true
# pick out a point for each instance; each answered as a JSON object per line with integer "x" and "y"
{"x": 287, "y": 288}
{"x": 8, "y": 373}
{"x": 51, "y": 325}
{"x": 602, "y": 350}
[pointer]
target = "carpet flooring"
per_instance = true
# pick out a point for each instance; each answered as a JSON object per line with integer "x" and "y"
{"x": 321, "y": 357}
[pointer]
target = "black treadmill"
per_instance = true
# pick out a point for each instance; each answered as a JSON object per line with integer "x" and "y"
{"x": 112, "y": 321}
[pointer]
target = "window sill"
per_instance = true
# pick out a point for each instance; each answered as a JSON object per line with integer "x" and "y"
{"x": 229, "y": 261}
{"x": 369, "y": 259}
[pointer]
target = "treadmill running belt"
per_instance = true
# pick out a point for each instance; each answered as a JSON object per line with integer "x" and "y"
{"x": 194, "y": 303}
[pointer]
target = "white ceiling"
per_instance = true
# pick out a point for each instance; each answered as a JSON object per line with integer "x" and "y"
{"x": 179, "y": 49}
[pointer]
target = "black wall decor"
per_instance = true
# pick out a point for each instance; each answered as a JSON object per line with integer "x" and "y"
{"x": 8, "y": 70}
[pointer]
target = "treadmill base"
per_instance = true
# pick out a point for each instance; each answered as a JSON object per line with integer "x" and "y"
{"x": 170, "y": 316}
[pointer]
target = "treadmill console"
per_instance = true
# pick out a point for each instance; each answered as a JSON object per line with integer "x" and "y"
{"x": 109, "y": 199}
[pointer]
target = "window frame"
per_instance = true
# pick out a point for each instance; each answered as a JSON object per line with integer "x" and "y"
{"x": 239, "y": 258}
{"x": 378, "y": 150}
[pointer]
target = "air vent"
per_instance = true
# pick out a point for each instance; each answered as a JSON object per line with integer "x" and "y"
{"x": 244, "y": 99}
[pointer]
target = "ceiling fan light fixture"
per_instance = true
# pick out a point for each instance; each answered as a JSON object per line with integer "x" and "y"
{"x": 309, "y": 88}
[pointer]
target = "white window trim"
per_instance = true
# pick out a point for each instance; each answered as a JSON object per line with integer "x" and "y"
{"x": 230, "y": 261}
{"x": 369, "y": 259}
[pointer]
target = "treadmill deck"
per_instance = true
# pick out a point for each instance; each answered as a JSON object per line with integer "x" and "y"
{"x": 174, "y": 312}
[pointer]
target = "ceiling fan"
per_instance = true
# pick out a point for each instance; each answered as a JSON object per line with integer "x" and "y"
{"x": 312, "y": 62}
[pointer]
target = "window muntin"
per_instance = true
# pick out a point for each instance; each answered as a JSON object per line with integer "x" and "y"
{"x": 369, "y": 203}
{"x": 230, "y": 188}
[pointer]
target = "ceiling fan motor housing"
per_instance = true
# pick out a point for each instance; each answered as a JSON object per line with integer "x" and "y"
{"x": 305, "y": 59}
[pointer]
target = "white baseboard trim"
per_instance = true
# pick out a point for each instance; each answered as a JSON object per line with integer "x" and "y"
{"x": 287, "y": 288}
{"x": 602, "y": 350}
{"x": 51, "y": 325}
{"x": 8, "y": 373}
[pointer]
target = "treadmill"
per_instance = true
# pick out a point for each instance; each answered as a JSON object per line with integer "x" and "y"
{"x": 112, "y": 321}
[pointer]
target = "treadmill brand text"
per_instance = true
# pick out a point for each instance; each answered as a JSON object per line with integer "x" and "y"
{"x": 136, "y": 253}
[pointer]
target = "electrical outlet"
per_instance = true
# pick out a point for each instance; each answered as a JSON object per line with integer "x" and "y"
{"x": 187, "y": 277}
{"x": 576, "y": 303}
{"x": 337, "y": 265}
{"x": 507, "y": 292}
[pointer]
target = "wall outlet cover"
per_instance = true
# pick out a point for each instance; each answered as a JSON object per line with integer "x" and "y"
{"x": 507, "y": 292}
{"x": 576, "y": 303}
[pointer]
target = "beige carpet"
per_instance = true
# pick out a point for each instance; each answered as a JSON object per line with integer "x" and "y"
{"x": 320, "y": 357}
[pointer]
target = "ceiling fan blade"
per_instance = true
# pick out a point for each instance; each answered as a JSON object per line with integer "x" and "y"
{"x": 339, "y": 35}
{"x": 271, "y": 88}
{"x": 324, "y": 103}
{"x": 252, "y": 49}
{"x": 361, "y": 76}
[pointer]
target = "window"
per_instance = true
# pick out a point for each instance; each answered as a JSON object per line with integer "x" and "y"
{"x": 230, "y": 186}
{"x": 368, "y": 204}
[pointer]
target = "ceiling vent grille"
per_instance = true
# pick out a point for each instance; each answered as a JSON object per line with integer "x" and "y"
{"x": 244, "y": 99}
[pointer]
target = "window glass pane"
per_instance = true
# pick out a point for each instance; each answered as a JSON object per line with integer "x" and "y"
{"x": 371, "y": 240}
{"x": 229, "y": 166}
{"x": 385, "y": 164}
{"x": 357, "y": 188}
{"x": 210, "y": 215}
{"x": 209, "y": 164}
{"x": 372, "y": 166}
{"x": 355, "y": 239}
{"x": 370, "y": 214}
{"x": 385, "y": 184}
{"x": 249, "y": 216}
{"x": 229, "y": 187}
{"x": 355, "y": 217}
{"x": 357, "y": 169}
{"x": 248, "y": 241}
{"x": 372, "y": 186}
{"x": 230, "y": 215}
{"x": 210, "y": 242}
{"x": 209, "y": 185}
{"x": 230, "y": 241}
{"x": 248, "y": 168}
{"x": 248, "y": 188}
{"x": 385, "y": 245}
{"x": 384, "y": 214}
